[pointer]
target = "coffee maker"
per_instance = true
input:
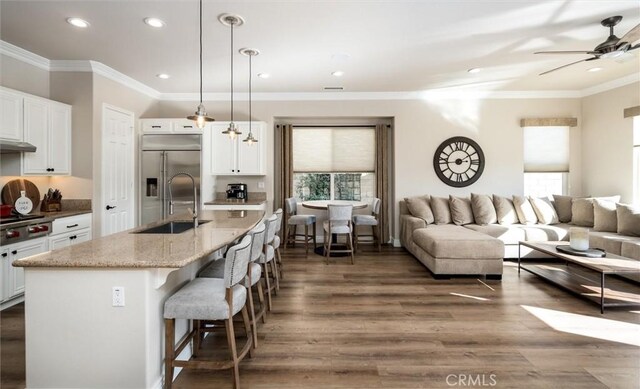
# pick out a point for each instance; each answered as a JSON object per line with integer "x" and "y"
{"x": 237, "y": 192}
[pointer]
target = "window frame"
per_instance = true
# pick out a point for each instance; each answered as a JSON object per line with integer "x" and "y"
{"x": 332, "y": 183}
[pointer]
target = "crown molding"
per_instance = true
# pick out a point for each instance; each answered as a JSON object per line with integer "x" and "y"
{"x": 23, "y": 55}
{"x": 443, "y": 93}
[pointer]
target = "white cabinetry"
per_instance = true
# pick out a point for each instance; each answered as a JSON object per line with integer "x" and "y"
{"x": 11, "y": 108}
{"x": 233, "y": 157}
{"x": 13, "y": 277}
{"x": 47, "y": 125}
{"x": 169, "y": 126}
{"x": 67, "y": 231}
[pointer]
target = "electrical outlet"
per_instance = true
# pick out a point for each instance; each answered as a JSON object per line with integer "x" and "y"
{"x": 118, "y": 296}
{"x": 261, "y": 185}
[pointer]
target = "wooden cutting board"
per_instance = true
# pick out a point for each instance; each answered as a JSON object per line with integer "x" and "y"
{"x": 11, "y": 192}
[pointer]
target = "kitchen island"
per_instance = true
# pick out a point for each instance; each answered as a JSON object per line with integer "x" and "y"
{"x": 75, "y": 335}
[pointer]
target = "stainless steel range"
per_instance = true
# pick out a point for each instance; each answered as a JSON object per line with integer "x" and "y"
{"x": 20, "y": 228}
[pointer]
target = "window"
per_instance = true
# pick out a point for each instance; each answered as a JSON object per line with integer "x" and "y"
{"x": 636, "y": 160}
{"x": 546, "y": 161}
{"x": 334, "y": 163}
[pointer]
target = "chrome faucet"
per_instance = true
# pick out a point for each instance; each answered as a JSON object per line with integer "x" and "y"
{"x": 195, "y": 201}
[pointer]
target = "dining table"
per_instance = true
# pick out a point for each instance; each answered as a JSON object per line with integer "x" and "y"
{"x": 324, "y": 205}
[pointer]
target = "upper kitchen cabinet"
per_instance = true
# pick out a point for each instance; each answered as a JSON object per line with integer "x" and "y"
{"x": 11, "y": 109}
{"x": 47, "y": 125}
{"x": 169, "y": 126}
{"x": 233, "y": 157}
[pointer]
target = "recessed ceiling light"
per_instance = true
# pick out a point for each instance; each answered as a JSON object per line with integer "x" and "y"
{"x": 163, "y": 76}
{"x": 78, "y": 22}
{"x": 474, "y": 70}
{"x": 338, "y": 73}
{"x": 154, "y": 22}
{"x": 264, "y": 75}
{"x": 595, "y": 69}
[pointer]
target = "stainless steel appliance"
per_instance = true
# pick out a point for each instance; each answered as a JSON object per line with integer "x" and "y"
{"x": 237, "y": 192}
{"x": 18, "y": 229}
{"x": 164, "y": 156}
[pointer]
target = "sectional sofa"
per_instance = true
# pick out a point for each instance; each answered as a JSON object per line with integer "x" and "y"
{"x": 472, "y": 235}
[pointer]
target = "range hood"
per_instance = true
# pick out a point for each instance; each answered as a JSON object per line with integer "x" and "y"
{"x": 10, "y": 146}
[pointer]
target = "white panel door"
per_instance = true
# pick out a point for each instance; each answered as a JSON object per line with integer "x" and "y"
{"x": 11, "y": 115}
{"x": 223, "y": 152}
{"x": 117, "y": 170}
{"x": 250, "y": 157}
{"x": 60, "y": 138}
{"x": 36, "y": 130}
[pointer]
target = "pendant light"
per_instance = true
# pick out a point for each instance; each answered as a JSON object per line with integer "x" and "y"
{"x": 250, "y": 140}
{"x": 231, "y": 21}
{"x": 200, "y": 116}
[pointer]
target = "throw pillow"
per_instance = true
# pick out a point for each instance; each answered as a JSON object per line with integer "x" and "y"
{"x": 544, "y": 210}
{"x": 582, "y": 210}
{"x": 505, "y": 211}
{"x": 419, "y": 207}
{"x": 461, "y": 212}
{"x": 483, "y": 210}
{"x": 605, "y": 218}
{"x": 524, "y": 210}
{"x": 440, "y": 208}
{"x": 563, "y": 207}
{"x": 628, "y": 219}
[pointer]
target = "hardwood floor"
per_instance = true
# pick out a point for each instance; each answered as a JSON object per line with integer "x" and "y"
{"x": 385, "y": 322}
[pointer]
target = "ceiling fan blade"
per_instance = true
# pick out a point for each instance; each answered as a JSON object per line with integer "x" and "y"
{"x": 565, "y": 52}
{"x": 634, "y": 47}
{"x": 631, "y": 36}
{"x": 569, "y": 64}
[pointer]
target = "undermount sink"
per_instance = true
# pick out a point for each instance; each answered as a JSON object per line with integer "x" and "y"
{"x": 174, "y": 227}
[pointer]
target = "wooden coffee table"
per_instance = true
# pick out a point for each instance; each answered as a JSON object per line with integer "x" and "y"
{"x": 578, "y": 284}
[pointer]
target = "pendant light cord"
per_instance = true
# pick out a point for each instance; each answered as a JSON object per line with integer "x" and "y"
{"x": 232, "y": 23}
{"x": 200, "y": 51}
{"x": 250, "y": 57}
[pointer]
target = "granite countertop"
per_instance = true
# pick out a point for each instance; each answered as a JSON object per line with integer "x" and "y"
{"x": 59, "y": 214}
{"x": 235, "y": 202}
{"x": 126, "y": 250}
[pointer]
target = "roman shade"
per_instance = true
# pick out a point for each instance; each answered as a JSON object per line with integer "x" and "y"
{"x": 546, "y": 149}
{"x": 325, "y": 150}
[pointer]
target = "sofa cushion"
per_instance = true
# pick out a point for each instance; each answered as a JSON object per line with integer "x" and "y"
{"x": 631, "y": 249}
{"x": 544, "y": 210}
{"x": 582, "y": 210}
{"x": 457, "y": 242}
{"x": 562, "y": 205}
{"x": 544, "y": 233}
{"x": 604, "y": 216}
{"x": 609, "y": 242}
{"x": 419, "y": 207}
{"x": 440, "y": 208}
{"x": 505, "y": 211}
{"x": 628, "y": 220}
{"x": 461, "y": 212}
{"x": 483, "y": 210}
{"x": 524, "y": 210}
{"x": 511, "y": 234}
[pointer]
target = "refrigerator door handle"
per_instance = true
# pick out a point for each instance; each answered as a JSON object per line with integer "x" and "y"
{"x": 163, "y": 174}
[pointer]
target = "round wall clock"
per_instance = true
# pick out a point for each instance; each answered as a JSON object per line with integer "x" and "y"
{"x": 458, "y": 161}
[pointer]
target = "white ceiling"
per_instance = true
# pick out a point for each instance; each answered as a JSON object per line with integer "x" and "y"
{"x": 390, "y": 46}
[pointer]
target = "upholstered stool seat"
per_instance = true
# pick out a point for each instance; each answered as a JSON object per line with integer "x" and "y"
{"x": 365, "y": 220}
{"x": 336, "y": 229}
{"x": 295, "y": 220}
{"x": 301, "y": 220}
{"x": 204, "y": 299}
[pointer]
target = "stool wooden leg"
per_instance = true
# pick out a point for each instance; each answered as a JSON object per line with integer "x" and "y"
{"x": 295, "y": 234}
{"x": 314, "y": 235}
{"x": 306, "y": 240}
{"x": 327, "y": 251}
{"x": 197, "y": 326}
{"x": 169, "y": 339}
{"x": 279, "y": 261}
{"x": 376, "y": 231}
{"x": 266, "y": 277}
{"x": 351, "y": 247}
{"x": 231, "y": 339}
{"x": 261, "y": 299}
{"x": 286, "y": 236}
{"x": 247, "y": 329}
{"x": 253, "y": 315}
{"x": 275, "y": 272}
{"x": 355, "y": 234}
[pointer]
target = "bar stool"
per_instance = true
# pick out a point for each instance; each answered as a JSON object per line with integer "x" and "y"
{"x": 210, "y": 299}
{"x": 339, "y": 223}
{"x": 368, "y": 220}
{"x": 268, "y": 259}
{"x": 254, "y": 271}
{"x": 296, "y": 220}
{"x": 276, "y": 240}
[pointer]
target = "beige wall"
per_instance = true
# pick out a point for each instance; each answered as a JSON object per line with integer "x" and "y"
{"x": 607, "y": 142}
{"x": 21, "y": 76}
{"x": 420, "y": 126}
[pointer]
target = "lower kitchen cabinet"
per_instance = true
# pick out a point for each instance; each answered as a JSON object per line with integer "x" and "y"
{"x": 71, "y": 230}
{"x": 13, "y": 277}
{"x": 69, "y": 239}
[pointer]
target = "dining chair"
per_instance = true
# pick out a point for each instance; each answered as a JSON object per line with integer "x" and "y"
{"x": 372, "y": 221}
{"x": 252, "y": 281}
{"x": 295, "y": 220}
{"x": 210, "y": 299}
{"x": 339, "y": 223}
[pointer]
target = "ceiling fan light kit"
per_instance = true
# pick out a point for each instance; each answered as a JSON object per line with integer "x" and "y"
{"x": 612, "y": 47}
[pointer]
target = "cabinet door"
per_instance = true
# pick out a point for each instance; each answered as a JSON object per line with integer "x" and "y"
{"x": 60, "y": 241}
{"x": 156, "y": 125}
{"x": 250, "y": 157}
{"x": 82, "y": 236}
{"x": 19, "y": 251}
{"x": 36, "y": 129}
{"x": 5, "y": 263}
{"x": 11, "y": 115}
{"x": 59, "y": 139}
{"x": 223, "y": 151}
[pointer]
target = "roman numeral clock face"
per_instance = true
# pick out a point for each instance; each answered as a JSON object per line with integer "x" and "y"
{"x": 458, "y": 161}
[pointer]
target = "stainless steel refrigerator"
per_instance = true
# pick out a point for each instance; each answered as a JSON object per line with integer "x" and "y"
{"x": 162, "y": 157}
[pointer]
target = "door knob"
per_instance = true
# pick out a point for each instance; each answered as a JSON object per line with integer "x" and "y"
{"x": 110, "y": 207}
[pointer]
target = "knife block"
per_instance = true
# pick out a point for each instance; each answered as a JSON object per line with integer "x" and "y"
{"x": 50, "y": 205}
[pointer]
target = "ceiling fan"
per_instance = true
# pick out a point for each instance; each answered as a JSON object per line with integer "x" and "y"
{"x": 613, "y": 47}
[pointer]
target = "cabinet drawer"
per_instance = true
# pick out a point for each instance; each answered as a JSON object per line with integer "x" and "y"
{"x": 156, "y": 125}
{"x": 71, "y": 223}
{"x": 185, "y": 126}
